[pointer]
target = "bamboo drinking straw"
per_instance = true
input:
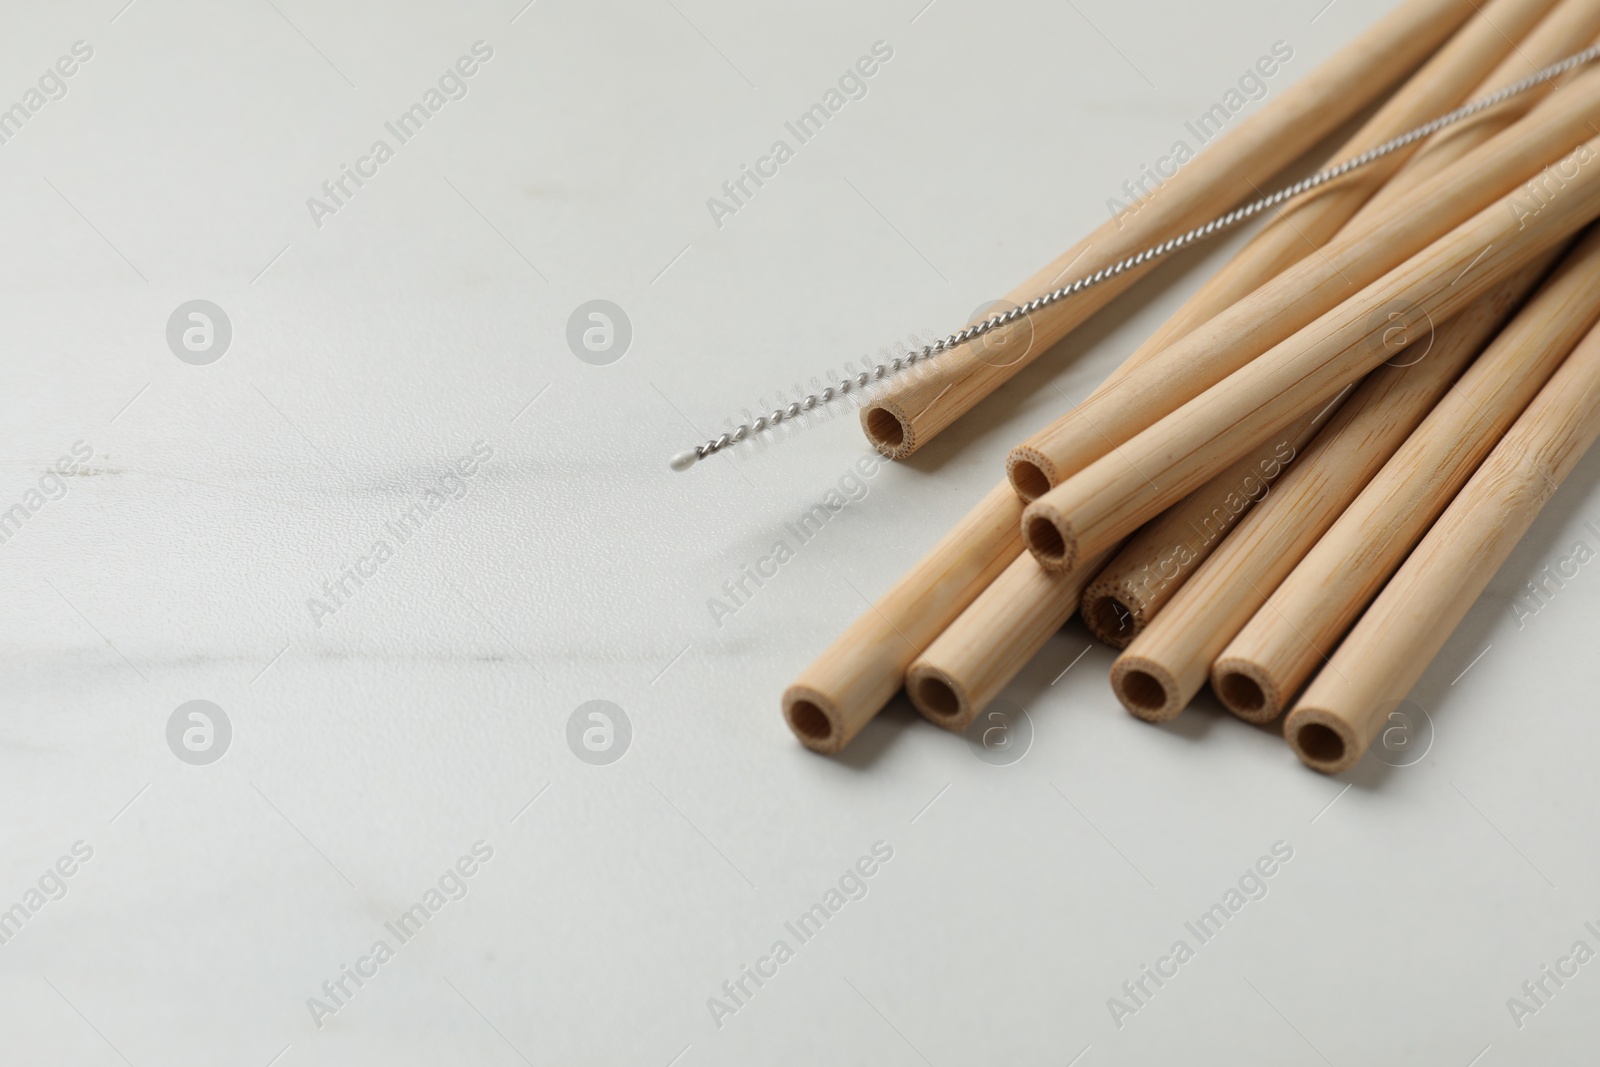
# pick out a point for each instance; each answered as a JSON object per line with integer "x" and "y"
{"x": 1153, "y": 566}
{"x": 1128, "y": 592}
{"x": 838, "y": 694}
{"x": 1169, "y": 661}
{"x": 1311, "y": 287}
{"x": 1272, "y": 657}
{"x": 988, "y": 644}
{"x": 1308, "y": 222}
{"x": 841, "y": 691}
{"x": 1553, "y": 38}
{"x": 847, "y": 685}
{"x": 1377, "y": 665}
{"x": 1047, "y": 603}
{"x": 1113, "y": 496}
{"x": 984, "y": 648}
{"x": 910, "y": 412}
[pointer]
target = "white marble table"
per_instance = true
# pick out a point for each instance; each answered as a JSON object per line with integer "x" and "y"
{"x": 395, "y": 681}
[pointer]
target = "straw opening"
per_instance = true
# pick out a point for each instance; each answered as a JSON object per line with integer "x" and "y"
{"x": 809, "y": 721}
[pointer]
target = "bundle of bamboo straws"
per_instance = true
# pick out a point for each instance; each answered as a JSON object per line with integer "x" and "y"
{"x": 1299, "y": 485}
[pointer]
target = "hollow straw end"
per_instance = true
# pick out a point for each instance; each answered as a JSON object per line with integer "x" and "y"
{"x": 814, "y": 718}
{"x": 889, "y": 430}
{"x": 1048, "y": 536}
{"x": 1246, "y": 689}
{"x": 1030, "y": 472}
{"x": 1146, "y": 689}
{"x": 942, "y": 700}
{"x": 1112, "y": 615}
{"x": 1324, "y": 741}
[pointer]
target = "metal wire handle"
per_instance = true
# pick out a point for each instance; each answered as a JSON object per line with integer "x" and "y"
{"x": 686, "y": 459}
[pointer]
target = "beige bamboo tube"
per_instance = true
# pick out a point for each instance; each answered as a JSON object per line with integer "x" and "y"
{"x": 1261, "y": 669}
{"x": 1447, "y": 273}
{"x": 1554, "y": 38}
{"x": 909, "y": 412}
{"x": 847, "y": 685}
{"x": 1345, "y": 707}
{"x": 1311, "y": 287}
{"x": 1169, "y": 661}
{"x": 1113, "y": 496}
{"x": 1150, "y": 569}
{"x": 979, "y": 653}
{"x": 841, "y": 691}
{"x": 1305, "y": 224}
{"x": 983, "y": 649}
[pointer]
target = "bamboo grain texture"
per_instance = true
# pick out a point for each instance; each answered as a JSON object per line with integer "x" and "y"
{"x": 1169, "y": 662}
{"x": 1261, "y": 669}
{"x": 1400, "y": 634}
{"x": 1316, "y": 284}
{"x": 910, "y": 412}
{"x": 1113, "y": 496}
{"x": 1555, "y": 36}
{"x": 1310, "y": 221}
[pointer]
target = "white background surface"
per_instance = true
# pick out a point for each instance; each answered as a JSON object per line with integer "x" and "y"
{"x": 369, "y": 752}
